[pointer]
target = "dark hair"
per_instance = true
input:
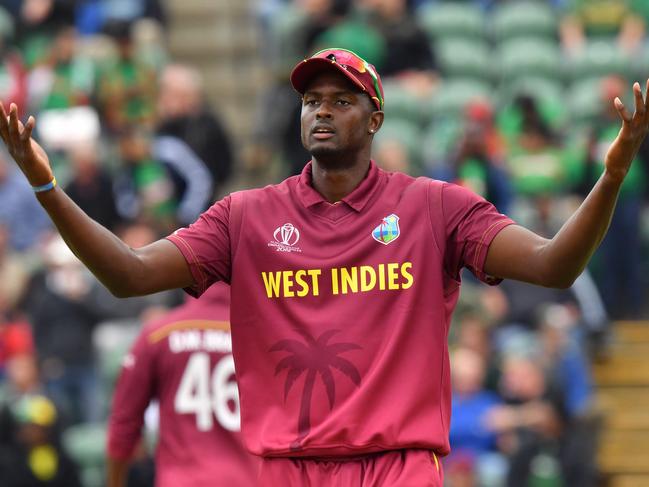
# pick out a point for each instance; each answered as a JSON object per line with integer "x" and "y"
{"x": 531, "y": 119}
{"x": 120, "y": 30}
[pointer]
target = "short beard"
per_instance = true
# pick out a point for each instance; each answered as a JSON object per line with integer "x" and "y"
{"x": 332, "y": 159}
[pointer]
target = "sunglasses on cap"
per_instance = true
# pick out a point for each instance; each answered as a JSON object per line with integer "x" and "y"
{"x": 349, "y": 59}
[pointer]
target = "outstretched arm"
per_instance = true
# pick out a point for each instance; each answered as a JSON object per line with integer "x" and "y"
{"x": 123, "y": 270}
{"x": 518, "y": 253}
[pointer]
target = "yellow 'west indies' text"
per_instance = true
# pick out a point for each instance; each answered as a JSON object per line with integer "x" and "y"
{"x": 392, "y": 276}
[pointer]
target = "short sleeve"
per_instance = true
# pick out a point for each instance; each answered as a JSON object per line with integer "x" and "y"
{"x": 471, "y": 223}
{"x": 205, "y": 244}
{"x": 133, "y": 392}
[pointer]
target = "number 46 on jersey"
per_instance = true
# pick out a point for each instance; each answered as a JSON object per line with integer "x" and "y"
{"x": 209, "y": 393}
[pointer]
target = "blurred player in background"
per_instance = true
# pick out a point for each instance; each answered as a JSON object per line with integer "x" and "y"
{"x": 343, "y": 280}
{"x": 184, "y": 361}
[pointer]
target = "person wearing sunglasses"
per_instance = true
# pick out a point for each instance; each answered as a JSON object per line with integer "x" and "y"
{"x": 343, "y": 281}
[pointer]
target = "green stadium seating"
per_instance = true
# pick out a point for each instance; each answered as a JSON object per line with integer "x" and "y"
{"x": 539, "y": 87}
{"x": 584, "y": 100}
{"x": 453, "y": 95}
{"x": 548, "y": 93}
{"x": 401, "y": 104}
{"x": 283, "y": 28}
{"x": 599, "y": 58}
{"x": 464, "y": 57}
{"x": 641, "y": 66}
{"x": 524, "y": 19}
{"x": 86, "y": 445}
{"x": 439, "y": 139}
{"x": 450, "y": 19}
{"x": 407, "y": 133}
{"x": 529, "y": 56}
{"x": 112, "y": 340}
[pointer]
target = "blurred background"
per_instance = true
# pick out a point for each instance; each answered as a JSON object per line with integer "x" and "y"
{"x": 152, "y": 109}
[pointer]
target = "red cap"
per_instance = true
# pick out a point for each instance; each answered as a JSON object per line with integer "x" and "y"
{"x": 354, "y": 67}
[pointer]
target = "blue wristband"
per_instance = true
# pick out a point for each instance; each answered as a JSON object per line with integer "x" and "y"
{"x": 45, "y": 187}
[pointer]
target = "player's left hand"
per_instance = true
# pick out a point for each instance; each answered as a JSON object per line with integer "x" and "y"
{"x": 634, "y": 129}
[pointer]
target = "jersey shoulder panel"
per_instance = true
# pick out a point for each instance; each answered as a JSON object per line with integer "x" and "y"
{"x": 271, "y": 190}
{"x": 400, "y": 178}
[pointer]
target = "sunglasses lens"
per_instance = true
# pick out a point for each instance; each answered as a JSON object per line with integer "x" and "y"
{"x": 352, "y": 61}
{"x": 346, "y": 58}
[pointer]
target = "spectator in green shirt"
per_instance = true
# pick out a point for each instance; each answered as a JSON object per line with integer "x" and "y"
{"x": 127, "y": 87}
{"x": 63, "y": 79}
{"x": 540, "y": 167}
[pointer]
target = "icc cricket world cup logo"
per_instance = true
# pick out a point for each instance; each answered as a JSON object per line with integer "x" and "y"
{"x": 286, "y": 237}
{"x": 287, "y": 234}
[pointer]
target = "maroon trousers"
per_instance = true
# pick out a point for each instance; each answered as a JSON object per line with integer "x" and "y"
{"x": 399, "y": 468}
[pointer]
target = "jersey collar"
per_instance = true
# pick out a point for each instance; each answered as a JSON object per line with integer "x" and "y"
{"x": 356, "y": 200}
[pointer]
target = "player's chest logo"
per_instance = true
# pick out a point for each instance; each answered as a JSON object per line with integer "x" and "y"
{"x": 285, "y": 238}
{"x": 314, "y": 357}
{"x": 388, "y": 230}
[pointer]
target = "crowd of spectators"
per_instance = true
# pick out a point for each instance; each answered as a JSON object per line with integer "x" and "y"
{"x": 517, "y": 110}
{"x": 134, "y": 143}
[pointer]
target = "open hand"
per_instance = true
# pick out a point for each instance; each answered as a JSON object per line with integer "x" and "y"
{"x": 28, "y": 154}
{"x": 634, "y": 129}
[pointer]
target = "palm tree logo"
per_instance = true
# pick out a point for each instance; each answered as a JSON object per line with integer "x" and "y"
{"x": 317, "y": 357}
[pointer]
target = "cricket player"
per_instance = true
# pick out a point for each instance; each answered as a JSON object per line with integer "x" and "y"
{"x": 184, "y": 360}
{"x": 343, "y": 281}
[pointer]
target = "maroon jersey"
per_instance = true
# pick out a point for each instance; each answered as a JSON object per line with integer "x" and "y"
{"x": 340, "y": 312}
{"x": 185, "y": 361}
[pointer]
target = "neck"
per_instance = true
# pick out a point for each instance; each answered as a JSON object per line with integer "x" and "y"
{"x": 334, "y": 183}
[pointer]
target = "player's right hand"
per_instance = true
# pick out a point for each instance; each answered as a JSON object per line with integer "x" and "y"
{"x": 28, "y": 154}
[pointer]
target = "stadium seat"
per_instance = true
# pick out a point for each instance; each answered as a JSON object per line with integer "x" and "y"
{"x": 549, "y": 94}
{"x": 524, "y": 19}
{"x": 112, "y": 340}
{"x": 454, "y": 94}
{"x": 538, "y": 87}
{"x": 406, "y": 133}
{"x": 438, "y": 142}
{"x": 403, "y": 105}
{"x": 464, "y": 57}
{"x": 282, "y": 30}
{"x": 86, "y": 445}
{"x": 584, "y": 100}
{"x": 449, "y": 19}
{"x": 529, "y": 56}
{"x": 600, "y": 58}
{"x": 641, "y": 66}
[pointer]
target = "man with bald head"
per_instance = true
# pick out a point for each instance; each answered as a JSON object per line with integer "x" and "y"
{"x": 343, "y": 281}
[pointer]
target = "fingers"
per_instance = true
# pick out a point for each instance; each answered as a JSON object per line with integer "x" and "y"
{"x": 621, "y": 109}
{"x": 13, "y": 123}
{"x": 26, "y": 133}
{"x": 15, "y": 134}
{"x": 639, "y": 102}
{"x": 4, "y": 126}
